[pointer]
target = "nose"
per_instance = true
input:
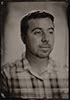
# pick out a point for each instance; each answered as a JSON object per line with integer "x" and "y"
{"x": 44, "y": 38}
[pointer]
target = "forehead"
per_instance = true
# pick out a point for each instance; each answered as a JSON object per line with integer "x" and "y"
{"x": 40, "y": 22}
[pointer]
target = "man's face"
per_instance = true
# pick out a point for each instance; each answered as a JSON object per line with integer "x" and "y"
{"x": 40, "y": 37}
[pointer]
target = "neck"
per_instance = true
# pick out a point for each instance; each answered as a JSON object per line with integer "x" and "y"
{"x": 36, "y": 63}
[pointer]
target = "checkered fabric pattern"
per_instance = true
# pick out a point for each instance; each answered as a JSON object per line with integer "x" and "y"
{"x": 19, "y": 80}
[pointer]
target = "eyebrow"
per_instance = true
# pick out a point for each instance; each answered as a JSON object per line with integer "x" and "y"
{"x": 36, "y": 28}
{"x": 41, "y": 28}
{"x": 51, "y": 28}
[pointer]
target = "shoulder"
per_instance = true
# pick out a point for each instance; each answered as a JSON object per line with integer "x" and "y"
{"x": 62, "y": 70}
{"x": 11, "y": 68}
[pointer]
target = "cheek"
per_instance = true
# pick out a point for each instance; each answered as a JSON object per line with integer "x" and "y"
{"x": 33, "y": 42}
{"x": 51, "y": 40}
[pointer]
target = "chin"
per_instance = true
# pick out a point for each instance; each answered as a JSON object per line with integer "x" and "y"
{"x": 43, "y": 54}
{"x": 42, "y": 57}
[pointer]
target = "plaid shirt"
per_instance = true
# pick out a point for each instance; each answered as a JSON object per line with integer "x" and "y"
{"x": 19, "y": 80}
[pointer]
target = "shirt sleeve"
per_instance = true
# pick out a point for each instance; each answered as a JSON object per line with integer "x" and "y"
{"x": 6, "y": 79}
{"x": 4, "y": 84}
{"x": 5, "y": 76}
{"x": 63, "y": 81}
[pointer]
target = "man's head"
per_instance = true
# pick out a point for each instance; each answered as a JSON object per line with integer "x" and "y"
{"x": 37, "y": 32}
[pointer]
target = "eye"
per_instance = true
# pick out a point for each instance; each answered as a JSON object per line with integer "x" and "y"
{"x": 37, "y": 32}
{"x": 51, "y": 32}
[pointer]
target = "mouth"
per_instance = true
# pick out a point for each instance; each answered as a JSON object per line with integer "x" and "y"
{"x": 44, "y": 46}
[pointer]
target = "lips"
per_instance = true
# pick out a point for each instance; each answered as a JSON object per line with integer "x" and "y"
{"x": 44, "y": 46}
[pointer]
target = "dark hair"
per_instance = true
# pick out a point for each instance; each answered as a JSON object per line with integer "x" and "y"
{"x": 33, "y": 15}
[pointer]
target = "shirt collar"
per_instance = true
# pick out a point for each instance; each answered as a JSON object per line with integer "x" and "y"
{"x": 26, "y": 66}
{"x": 47, "y": 69}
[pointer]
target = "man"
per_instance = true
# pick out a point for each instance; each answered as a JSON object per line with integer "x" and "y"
{"x": 36, "y": 75}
